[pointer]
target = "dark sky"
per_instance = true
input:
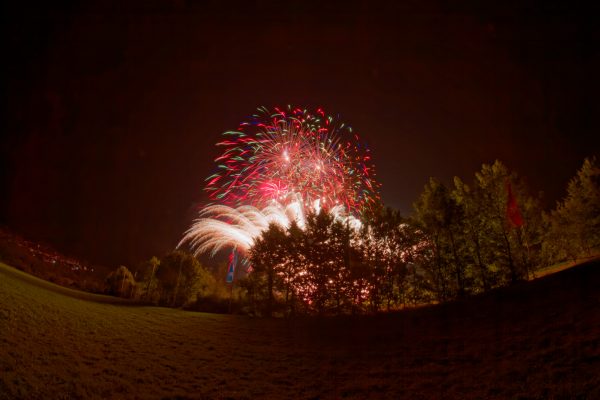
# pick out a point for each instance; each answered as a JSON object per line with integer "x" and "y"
{"x": 111, "y": 112}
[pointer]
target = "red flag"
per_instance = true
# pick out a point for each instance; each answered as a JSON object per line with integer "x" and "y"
{"x": 512, "y": 208}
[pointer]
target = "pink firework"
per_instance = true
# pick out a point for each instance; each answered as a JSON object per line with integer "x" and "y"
{"x": 285, "y": 153}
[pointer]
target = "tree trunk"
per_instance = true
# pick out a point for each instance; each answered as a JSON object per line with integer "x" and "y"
{"x": 270, "y": 292}
{"x": 482, "y": 271}
{"x": 511, "y": 265}
{"x": 176, "y": 286}
{"x": 150, "y": 282}
{"x": 526, "y": 259}
{"x": 442, "y": 283}
{"x": 458, "y": 267}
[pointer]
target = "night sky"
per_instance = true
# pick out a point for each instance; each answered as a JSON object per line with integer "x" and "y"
{"x": 111, "y": 112}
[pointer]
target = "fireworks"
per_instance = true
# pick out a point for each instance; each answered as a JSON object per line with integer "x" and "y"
{"x": 220, "y": 226}
{"x": 285, "y": 153}
{"x": 276, "y": 168}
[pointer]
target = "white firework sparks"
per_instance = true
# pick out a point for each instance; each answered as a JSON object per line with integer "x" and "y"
{"x": 219, "y": 227}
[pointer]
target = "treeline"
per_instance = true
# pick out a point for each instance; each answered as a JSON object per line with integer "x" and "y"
{"x": 176, "y": 280}
{"x": 463, "y": 239}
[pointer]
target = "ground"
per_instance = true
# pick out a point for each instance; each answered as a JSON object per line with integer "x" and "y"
{"x": 537, "y": 340}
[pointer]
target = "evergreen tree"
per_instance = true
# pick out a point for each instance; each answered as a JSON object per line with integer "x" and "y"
{"x": 574, "y": 225}
{"x": 440, "y": 217}
{"x": 471, "y": 200}
{"x": 507, "y": 247}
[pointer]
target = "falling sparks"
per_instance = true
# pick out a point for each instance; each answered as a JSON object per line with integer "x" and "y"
{"x": 219, "y": 226}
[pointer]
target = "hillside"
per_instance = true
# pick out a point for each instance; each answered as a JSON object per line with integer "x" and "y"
{"x": 537, "y": 340}
{"x": 49, "y": 264}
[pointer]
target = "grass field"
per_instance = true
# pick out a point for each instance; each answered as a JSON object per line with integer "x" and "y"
{"x": 537, "y": 340}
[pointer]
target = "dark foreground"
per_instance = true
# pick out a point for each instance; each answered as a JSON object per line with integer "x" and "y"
{"x": 538, "y": 340}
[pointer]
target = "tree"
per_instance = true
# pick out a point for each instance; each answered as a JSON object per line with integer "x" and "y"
{"x": 148, "y": 284}
{"x": 182, "y": 278}
{"x": 269, "y": 260}
{"x": 439, "y": 215}
{"x": 317, "y": 266}
{"x": 385, "y": 245}
{"x": 413, "y": 285}
{"x": 508, "y": 249}
{"x": 321, "y": 260}
{"x": 574, "y": 225}
{"x": 339, "y": 282}
{"x": 474, "y": 222}
{"x": 293, "y": 271}
{"x": 120, "y": 282}
{"x": 479, "y": 235}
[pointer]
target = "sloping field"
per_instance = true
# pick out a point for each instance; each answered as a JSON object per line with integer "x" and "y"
{"x": 538, "y": 340}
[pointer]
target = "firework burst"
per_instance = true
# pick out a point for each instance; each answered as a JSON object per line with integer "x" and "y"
{"x": 281, "y": 154}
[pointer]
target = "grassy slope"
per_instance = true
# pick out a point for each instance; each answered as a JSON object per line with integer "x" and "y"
{"x": 561, "y": 266}
{"x": 540, "y": 339}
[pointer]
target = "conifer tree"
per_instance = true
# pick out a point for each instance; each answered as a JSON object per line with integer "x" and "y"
{"x": 574, "y": 225}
